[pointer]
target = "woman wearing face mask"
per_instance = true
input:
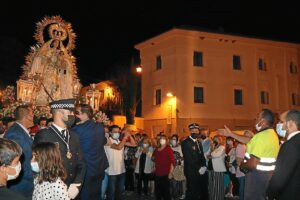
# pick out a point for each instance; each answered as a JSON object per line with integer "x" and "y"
{"x": 10, "y": 167}
{"x": 144, "y": 165}
{"x": 47, "y": 163}
{"x": 164, "y": 165}
{"x": 178, "y": 178}
{"x": 233, "y": 189}
{"x": 216, "y": 175}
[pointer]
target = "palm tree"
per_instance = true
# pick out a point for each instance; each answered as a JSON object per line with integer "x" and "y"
{"x": 127, "y": 82}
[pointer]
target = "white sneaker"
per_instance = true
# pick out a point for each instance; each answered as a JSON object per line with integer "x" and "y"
{"x": 228, "y": 195}
{"x": 182, "y": 197}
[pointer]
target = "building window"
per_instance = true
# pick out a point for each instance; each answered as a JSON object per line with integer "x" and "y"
{"x": 158, "y": 97}
{"x": 236, "y": 61}
{"x": 198, "y": 95}
{"x": 293, "y": 68}
{"x": 158, "y": 62}
{"x": 262, "y": 65}
{"x": 238, "y": 97}
{"x": 295, "y": 99}
{"x": 264, "y": 97}
{"x": 198, "y": 58}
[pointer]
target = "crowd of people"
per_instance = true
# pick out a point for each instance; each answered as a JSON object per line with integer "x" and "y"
{"x": 74, "y": 157}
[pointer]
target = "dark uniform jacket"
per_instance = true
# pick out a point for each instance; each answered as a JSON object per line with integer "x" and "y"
{"x": 285, "y": 182}
{"x": 75, "y": 166}
{"x": 193, "y": 157}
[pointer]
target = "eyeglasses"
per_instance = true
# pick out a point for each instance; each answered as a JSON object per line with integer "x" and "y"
{"x": 77, "y": 112}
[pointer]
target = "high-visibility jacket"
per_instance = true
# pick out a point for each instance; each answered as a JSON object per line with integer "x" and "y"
{"x": 264, "y": 146}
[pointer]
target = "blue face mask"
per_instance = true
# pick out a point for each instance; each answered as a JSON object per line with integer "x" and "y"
{"x": 279, "y": 130}
{"x": 35, "y": 167}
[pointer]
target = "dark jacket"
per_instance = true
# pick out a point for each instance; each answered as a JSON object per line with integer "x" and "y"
{"x": 10, "y": 195}
{"x": 193, "y": 157}
{"x": 92, "y": 140}
{"x": 285, "y": 182}
{"x": 24, "y": 183}
{"x": 75, "y": 166}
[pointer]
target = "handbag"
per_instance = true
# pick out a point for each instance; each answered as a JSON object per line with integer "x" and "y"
{"x": 178, "y": 173}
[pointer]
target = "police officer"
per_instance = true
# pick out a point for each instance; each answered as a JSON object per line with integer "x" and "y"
{"x": 195, "y": 165}
{"x": 58, "y": 132}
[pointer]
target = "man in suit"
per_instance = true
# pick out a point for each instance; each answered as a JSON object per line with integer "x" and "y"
{"x": 195, "y": 166}
{"x": 69, "y": 145}
{"x": 20, "y": 134}
{"x": 285, "y": 182}
{"x": 92, "y": 140}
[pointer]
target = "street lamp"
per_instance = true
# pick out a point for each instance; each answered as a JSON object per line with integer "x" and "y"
{"x": 169, "y": 94}
{"x": 139, "y": 69}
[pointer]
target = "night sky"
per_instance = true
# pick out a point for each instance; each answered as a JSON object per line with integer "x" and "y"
{"x": 107, "y": 31}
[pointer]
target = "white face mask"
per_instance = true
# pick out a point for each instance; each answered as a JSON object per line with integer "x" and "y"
{"x": 115, "y": 136}
{"x": 35, "y": 167}
{"x": 279, "y": 130}
{"x": 229, "y": 142}
{"x": 258, "y": 128}
{"x": 173, "y": 143}
{"x": 145, "y": 145}
{"x": 162, "y": 141}
{"x": 17, "y": 169}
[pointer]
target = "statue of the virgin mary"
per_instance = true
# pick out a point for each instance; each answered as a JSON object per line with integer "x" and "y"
{"x": 51, "y": 66}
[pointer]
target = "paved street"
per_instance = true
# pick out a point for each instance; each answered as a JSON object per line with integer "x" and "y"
{"x": 130, "y": 195}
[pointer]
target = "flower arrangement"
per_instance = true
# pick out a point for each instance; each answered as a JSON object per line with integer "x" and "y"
{"x": 10, "y": 104}
{"x": 42, "y": 111}
{"x": 101, "y": 117}
{"x": 9, "y": 95}
{"x": 8, "y": 111}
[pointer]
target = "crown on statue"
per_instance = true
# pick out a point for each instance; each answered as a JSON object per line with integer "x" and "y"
{"x": 57, "y": 31}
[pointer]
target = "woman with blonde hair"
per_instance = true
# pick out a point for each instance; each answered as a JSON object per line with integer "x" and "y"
{"x": 144, "y": 165}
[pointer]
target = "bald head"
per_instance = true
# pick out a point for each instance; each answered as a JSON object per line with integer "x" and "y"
{"x": 283, "y": 116}
{"x": 291, "y": 121}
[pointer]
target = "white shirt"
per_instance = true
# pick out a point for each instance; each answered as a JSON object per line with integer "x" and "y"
{"x": 56, "y": 191}
{"x": 195, "y": 140}
{"x": 115, "y": 159}
{"x": 149, "y": 165}
{"x": 218, "y": 159}
{"x": 59, "y": 128}
{"x": 23, "y": 127}
{"x": 292, "y": 135}
{"x": 232, "y": 156}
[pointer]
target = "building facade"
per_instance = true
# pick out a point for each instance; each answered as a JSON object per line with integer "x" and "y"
{"x": 99, "y": 94}
{"x": 214, "y": 79}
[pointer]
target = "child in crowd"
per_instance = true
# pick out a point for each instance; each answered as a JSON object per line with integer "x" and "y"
{"x": 47, "y": 163}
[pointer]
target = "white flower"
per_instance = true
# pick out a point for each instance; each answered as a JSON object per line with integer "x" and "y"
{"x": 101, "y": 118}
